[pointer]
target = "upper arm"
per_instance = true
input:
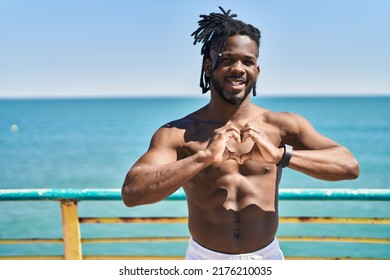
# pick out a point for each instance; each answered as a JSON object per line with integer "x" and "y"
{"x": 300, "y": 133}
{"x": 162, "y": 149}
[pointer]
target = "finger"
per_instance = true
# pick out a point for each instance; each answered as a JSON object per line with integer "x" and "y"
{"x": 233, "y": 155}
{"x": 226, "y": 132}
{"x": 249, "y": 134}
{"x": 226, "y": 155}
{"x": 234, "y": 133}
{"x": 256, "y": 135}
{"x": 236, "y": 136}
{"x": 247, "y": 127}
{"x": 245, "y": 157}
{"x": 247, "y": 131}
{"x": 244, "y": 136}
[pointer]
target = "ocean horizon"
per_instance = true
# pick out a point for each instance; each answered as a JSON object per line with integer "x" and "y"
{"x": 92, "y": 142}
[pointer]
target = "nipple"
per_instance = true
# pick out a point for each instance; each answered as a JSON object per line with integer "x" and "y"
{"x": 266, "y": 170}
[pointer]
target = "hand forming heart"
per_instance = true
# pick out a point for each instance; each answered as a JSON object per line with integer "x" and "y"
{"x": 243, "y": 150}
{"x": 263, "y": 150}
{"x": 241, "y": 157}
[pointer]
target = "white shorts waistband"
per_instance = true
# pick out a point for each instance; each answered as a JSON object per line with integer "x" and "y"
{"x": 196, "y": 251}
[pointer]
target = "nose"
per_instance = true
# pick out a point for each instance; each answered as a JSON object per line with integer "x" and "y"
{"x": 237, "y": 68}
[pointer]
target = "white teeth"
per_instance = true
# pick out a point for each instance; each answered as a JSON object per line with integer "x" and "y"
{"x": 236, "y": 83}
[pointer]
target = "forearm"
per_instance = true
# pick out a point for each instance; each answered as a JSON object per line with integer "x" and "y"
{"x": 150, "y": 184}
{"x": 332, "y": 164}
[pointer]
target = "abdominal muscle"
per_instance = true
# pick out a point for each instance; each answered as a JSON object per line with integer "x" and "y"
{"x": 230, "y": 212}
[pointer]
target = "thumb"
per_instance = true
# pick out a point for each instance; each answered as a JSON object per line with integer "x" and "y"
{"x": 245, "y": 157}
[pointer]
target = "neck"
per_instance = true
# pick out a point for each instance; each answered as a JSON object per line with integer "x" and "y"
{"x": 221, "y": 111}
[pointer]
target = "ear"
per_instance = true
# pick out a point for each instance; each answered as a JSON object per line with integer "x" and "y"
{"x": 258, "y": 71}
{"x": 207, "y": 66}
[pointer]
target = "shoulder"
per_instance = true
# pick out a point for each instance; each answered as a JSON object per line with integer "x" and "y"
{"x": 172, "y": 133}
{"x": 290, "y": 123}
{"x": 187, "y": 123}
{"x": 297, "y": 131}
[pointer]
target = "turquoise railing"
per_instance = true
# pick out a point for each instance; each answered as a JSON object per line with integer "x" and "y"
{"x": 115, "y": 194}
{"x": 72, "y": 239}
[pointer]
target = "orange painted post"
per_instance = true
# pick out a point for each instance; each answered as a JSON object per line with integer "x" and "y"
{"x": 71, "y": 230}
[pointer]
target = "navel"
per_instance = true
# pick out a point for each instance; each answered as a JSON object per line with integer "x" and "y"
{"x": 236, "y": 234}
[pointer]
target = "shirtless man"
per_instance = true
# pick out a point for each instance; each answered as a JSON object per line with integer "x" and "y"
{"x": 228, "y": 156}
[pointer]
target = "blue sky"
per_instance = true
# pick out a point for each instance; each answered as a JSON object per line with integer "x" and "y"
{"x": 85, "y": 48}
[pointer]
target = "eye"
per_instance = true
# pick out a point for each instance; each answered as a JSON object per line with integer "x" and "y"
{"x": 249, "y": 62}
{"x": 226, "y": 60}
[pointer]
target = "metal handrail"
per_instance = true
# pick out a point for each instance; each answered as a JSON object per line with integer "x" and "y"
{"x": 115, "y": 194}
{"x": 71, "y": 221}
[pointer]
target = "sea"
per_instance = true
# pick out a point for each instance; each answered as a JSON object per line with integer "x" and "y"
{"x": 92, "y": 143}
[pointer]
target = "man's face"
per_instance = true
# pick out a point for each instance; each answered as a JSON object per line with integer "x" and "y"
{"x": 237, "y": 73}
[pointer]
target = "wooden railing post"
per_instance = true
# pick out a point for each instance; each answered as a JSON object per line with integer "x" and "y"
{"x": 71, "y": 230}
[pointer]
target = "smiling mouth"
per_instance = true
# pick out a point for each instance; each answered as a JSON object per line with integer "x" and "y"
{"x": 235, "y": 81}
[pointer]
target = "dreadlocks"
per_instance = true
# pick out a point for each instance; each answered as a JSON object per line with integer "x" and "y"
{"x": 213, "y": 32}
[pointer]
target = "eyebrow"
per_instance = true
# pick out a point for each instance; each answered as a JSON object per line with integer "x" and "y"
{"x": 233, "y": 54}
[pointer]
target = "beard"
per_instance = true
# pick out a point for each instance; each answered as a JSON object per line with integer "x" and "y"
{"x": 234, "y": 99}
